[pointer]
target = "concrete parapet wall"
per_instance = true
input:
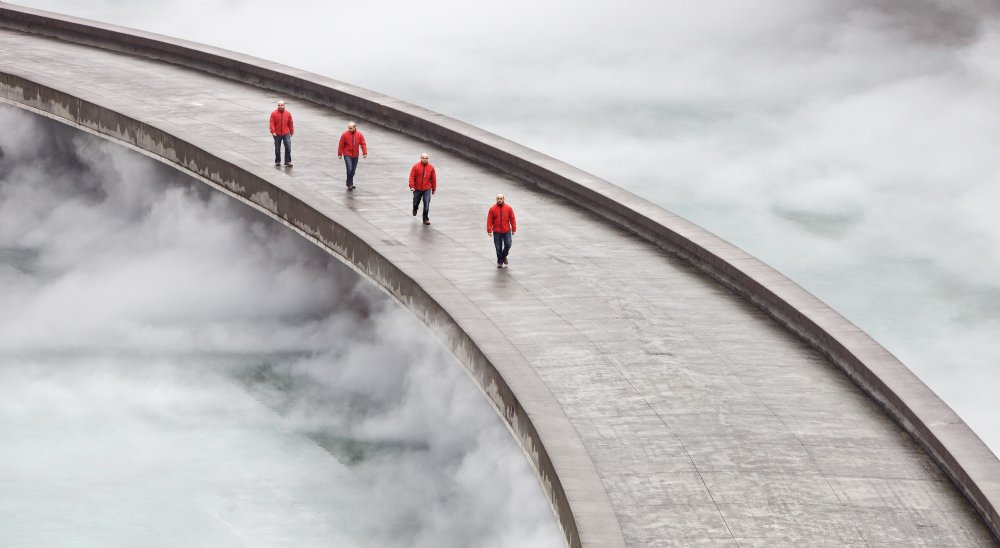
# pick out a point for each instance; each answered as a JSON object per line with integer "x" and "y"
{"x": 342, "y": 240}
{"x": 963, "y": 457}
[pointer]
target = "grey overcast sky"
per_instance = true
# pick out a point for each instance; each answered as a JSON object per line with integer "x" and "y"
{"x": 849, "y": 143}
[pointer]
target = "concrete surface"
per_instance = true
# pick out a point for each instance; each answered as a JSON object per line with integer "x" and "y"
{"x": 658, "y": 407}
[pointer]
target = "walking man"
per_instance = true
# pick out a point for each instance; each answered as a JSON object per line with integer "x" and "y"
{"x": 423, "y": 183}
{"x": 501, "y": 224}
{"x": 282, "y": 130}
{"x": 350, "y": 141}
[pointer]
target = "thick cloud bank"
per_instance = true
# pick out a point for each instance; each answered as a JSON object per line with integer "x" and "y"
{"x": 178, "y": 370}
{"x": 849, "y": 143}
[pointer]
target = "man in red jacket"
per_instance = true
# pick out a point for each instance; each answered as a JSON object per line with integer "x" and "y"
{"x": 500, "y": 222}
{"x": 350, "y": 141}
{"x": 423, "y": 183}
{"x": 282, "y": 129}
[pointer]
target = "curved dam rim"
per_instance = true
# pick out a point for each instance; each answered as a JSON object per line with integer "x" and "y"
{"x": 435, "y": 317}
{"x": 960, "y": 453}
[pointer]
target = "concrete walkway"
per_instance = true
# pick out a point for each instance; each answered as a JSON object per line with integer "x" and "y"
{"x": 705, "y": 422}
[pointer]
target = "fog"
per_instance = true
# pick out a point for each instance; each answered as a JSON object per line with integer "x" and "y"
{"x": 178, "y": 370}
{"x": 850, "y": 144}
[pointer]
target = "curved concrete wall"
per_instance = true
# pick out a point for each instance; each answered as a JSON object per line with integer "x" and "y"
{"x": 343, "y": 241}
{"x": 947, "y": 439}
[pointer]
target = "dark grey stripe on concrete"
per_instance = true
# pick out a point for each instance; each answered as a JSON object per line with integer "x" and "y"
{"x": 950, "y": 443}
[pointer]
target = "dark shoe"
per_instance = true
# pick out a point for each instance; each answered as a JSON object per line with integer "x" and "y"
{"x": 350, "y": 188}
{"x": 288, "y": 164}
{"x": 277, "y": 163}
{"x": 414, "y": 212}
{"x": 505, "y": 260}
{"x": 427, "y": 221}
{"x": 499, "y": 266}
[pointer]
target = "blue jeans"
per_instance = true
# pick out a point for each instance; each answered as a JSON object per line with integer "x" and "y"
{"x": 424, "y": 195}
{"x": 502, "y": 241}
{"x": 287, "y": 139}
{"x": 352, "y": 165}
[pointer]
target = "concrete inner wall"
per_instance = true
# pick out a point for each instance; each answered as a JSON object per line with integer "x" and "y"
{"x": 341, "y": 241}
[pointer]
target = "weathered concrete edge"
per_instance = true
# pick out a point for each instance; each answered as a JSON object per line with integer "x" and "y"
{"x": 960, "y": 453}
{"x": 558, "y": 470}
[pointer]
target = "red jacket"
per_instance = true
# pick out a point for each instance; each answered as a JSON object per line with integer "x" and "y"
{"x": 423, "y": 177}
{"x": 281, "y": 122}
{"x": 349, "y": 143}
{"x": 501, "y": 219}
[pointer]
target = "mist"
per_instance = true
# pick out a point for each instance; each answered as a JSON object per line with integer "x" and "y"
{"x": 178, "y": 369}
{"x": 849, "y": 144}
